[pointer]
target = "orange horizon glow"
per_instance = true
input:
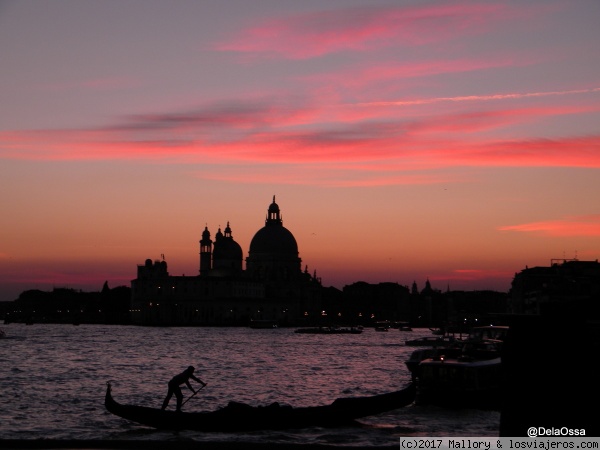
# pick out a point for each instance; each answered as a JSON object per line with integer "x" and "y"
{"x": 455, "y": 142}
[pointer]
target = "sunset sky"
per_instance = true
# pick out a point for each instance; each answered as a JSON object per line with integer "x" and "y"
{"x": 404, "y": 140}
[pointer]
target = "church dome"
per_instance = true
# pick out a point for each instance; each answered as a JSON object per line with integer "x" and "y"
{"x": 227, "y": 254}
{"x": 274, "y": 238}
{"x": 227, "y": 249}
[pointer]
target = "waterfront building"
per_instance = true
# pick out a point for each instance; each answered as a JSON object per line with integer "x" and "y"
{"x": 376, "y": 302}
{"x": 555, "y": 318}
{"x": 567, "y": 285}
{"x": 273, "y": 287}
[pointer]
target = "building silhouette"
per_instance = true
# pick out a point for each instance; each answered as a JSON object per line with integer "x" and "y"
{"x": 565, "y": 286}
{"x": 272, "y": 287}
{"x": 549, "y": 353}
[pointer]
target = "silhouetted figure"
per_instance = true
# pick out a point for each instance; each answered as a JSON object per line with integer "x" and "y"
{"x": 178, "y": 380}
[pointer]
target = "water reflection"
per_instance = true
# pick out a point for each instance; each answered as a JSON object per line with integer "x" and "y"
{"x": 53, "y": 380}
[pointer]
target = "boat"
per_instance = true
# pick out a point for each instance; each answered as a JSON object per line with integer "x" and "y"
{"x": 460, "y": 382}
{"x": 402, "y": 325}
{"x": 467, "y": 374}
{"x": 486, "y": 349}
{"x": 330, "y": 330}
{"x": 431, "y": 341}
{"x": 243, "y": 417}
{"x": 494, "y": 332}
{"x": 262, "y": 323}
{"x": 419, "y": 355}
{"x": 383, "y": 324}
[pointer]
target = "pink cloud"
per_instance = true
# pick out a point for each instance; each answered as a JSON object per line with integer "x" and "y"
{"x": 476, "y": 120}
{"x": 376, "y": 149}
{"x": 418, "y": 112}
{"x": 470, "y": 278}
{"x": 479, "y": 98}
{"x": 323, "y": 175}
{"x": 588, "y": 226}
{"x": 567, "y": 152}
{"x": 356, "y": 77}
{"x": 478, "y": 274}
{"x": 387, "y": 143}
{"x": 319, "y": 33}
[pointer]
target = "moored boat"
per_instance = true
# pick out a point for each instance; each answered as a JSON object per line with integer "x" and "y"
{"x": 468, "y": 374}
{"x": 419, "y": 355}
{"x": 460, "y": 382}
{"x": 242, "y": 417}
{"x": 262, "y": 323}
{"x": 431, "y": 341}
{"x": 495, "y": 332}
{"x": 402, "y": 326}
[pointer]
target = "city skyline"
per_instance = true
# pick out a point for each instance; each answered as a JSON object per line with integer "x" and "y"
{"x": 455, "y": 142}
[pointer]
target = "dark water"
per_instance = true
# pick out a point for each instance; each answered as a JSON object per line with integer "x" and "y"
{"x": 53, "y": 380}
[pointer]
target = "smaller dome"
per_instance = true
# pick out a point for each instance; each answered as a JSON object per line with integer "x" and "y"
{"x": 227, "y": 254}
{"x": 227, "y": 249}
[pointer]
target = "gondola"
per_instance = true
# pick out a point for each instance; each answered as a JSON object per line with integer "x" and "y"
{"x": 242, "y": 417}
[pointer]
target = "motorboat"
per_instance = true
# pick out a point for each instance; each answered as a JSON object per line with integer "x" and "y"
{"x": 495, "y": 332}
{"x": 465, "y": 374}
{"x": 460, "y": 382}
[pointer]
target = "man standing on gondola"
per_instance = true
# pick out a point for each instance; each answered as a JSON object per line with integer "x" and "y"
{"x": 178, "y": 380}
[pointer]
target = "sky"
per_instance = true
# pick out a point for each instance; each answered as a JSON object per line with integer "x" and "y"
{"x": 450, "y": 141}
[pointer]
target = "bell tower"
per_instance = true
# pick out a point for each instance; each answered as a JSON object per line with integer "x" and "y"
{"x": 205, "y": 252}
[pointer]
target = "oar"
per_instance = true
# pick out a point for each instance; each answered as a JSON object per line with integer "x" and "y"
{"x": 197, "y": 390}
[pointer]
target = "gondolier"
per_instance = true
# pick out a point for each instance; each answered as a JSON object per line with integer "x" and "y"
{"x": 237, "y": 416}
{"x": 178, "y": 380}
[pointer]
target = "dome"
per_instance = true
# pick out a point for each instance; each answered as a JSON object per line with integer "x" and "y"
{"x": 273, "y": 253}
{"x": 227, "y": 249}
{"x": 227, "y": 254}
{"x": 274, "y": 239}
